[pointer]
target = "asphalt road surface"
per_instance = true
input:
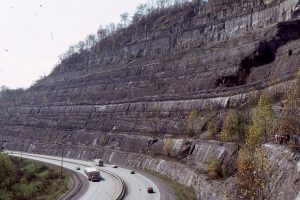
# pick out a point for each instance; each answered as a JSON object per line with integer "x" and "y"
{"x": 109, "y": 188}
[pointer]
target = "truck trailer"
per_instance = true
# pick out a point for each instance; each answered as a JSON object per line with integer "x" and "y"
{"x": 92, "y": 173}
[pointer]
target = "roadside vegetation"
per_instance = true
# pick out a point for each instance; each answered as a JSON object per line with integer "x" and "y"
{"x": 181, "y": 192}
{"x": 27, "y": 180}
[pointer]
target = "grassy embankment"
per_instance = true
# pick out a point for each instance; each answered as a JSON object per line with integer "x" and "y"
{"x": 181, "y": 192}
{"x": 27, "y": 180}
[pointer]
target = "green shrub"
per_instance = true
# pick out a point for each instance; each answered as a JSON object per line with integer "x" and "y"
{"x": 231, "y": 127}
{"x": 212, "y": 129}
{"x": 28, "y": 180}
{"x": 213, "y": 169}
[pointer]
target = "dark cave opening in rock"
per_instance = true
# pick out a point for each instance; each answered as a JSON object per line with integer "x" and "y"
{"x": 264, "y": 54}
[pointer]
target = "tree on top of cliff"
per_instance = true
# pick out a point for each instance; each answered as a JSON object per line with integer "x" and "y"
{"x": 198, "y": 2}
{"x": 124, "y": 19}
{"x": 143, "y": 17}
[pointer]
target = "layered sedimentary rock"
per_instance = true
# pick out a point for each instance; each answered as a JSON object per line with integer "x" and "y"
{"x": 128, "y": 99}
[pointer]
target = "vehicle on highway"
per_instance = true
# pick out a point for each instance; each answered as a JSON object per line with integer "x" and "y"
{"x": 77, "y": 168}
{"x": 150, "y": 190}
{"x": 132, "y": 172}
{"x": 115, "y": 166}
{"x": 98, "y": 162}
{"x": 92, "y": 173}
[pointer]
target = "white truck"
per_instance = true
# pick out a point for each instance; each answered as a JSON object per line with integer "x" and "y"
{"x": 98, "y": 162}
{"x": 92, "y": 173}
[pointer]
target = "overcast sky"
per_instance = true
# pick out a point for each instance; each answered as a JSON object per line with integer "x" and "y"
{"x": 34, "y": 32}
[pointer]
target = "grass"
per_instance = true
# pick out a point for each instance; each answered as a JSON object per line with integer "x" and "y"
{"x": 56, "y": 192}
{"x": 181, "y": 192}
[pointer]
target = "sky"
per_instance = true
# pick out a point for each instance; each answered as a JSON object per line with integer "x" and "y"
{"x": 33, "y": 33}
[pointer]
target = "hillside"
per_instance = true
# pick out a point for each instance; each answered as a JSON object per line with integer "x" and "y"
{"x": 130, "y": 99}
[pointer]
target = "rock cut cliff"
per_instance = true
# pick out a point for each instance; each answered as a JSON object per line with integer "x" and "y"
{"x": 127, "y": 99}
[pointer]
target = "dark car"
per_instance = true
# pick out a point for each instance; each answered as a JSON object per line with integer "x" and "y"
{"x": 132, "y": 172}
{"x": 150, "y": 190}
{"x": 77, "y": 168}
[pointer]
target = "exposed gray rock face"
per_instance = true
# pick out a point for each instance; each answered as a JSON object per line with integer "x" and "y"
{"x": 284, "y": 173}
{"x": 128, "y": 100}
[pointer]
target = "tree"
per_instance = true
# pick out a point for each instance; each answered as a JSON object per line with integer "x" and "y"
{"x": 212, "y": 128}
{"x": 231, "y": 127}
{"x": 6, "y": 168}
{"x": 252, "y": 175}
{"x": 101, "y": 33}
{"x": 162, "y": 3}
{"x": 111, "y": 28}
{"x": 290, "y": 121}
{"x": 139, "y": 13}
{"x": 90, "y": 41}
{"x": 119, "y": 27}
{"x": 198, "y": 2}
{"x": 191, "y": 121}
{"x": 71, "y": 50}
{"x": 81, "y": 46}
{"x": 124, "y": 18}
{"x": 252, "y": 164}
{"x": 254, "y": 136}
{"x": 263, "y": 121}
{"x": 3, "y": 90}
{"x": 297, "y": 88}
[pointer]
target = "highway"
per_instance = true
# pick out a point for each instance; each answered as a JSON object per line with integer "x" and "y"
{"x": 109, "y": 188}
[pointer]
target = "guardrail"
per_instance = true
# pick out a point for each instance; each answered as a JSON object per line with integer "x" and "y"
{"x": 70, "y": 195}
{"x": 123, "y": 192}
{"x": 120, "y": 197}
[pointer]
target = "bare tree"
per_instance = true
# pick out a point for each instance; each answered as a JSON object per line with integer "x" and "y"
{"x": 140, "y": 12}
{"x": 81, "y": 46}
{"x": 198, "y": 2}
{"x": 101, "y": 33}
{"x": 124, "y": 18}
{"x": 161, "y": 4}
{"x": 111, "y": 28}
{"x": 90, "y": 41}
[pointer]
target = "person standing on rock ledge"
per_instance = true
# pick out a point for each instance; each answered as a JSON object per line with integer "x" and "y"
{"x": 287, "y": 138}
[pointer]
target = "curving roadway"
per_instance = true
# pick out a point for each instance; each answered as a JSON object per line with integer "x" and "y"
{"x": 109, "y": 188}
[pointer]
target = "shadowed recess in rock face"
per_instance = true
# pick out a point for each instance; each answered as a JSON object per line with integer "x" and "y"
{"x": 265, "y": 53}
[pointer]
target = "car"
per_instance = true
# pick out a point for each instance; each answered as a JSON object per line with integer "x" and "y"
{"x": 150, "y": 190}
{"x": 132, "y": 172}
{"x": 77, "y": 168}
{"x": 115, "y": 166}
